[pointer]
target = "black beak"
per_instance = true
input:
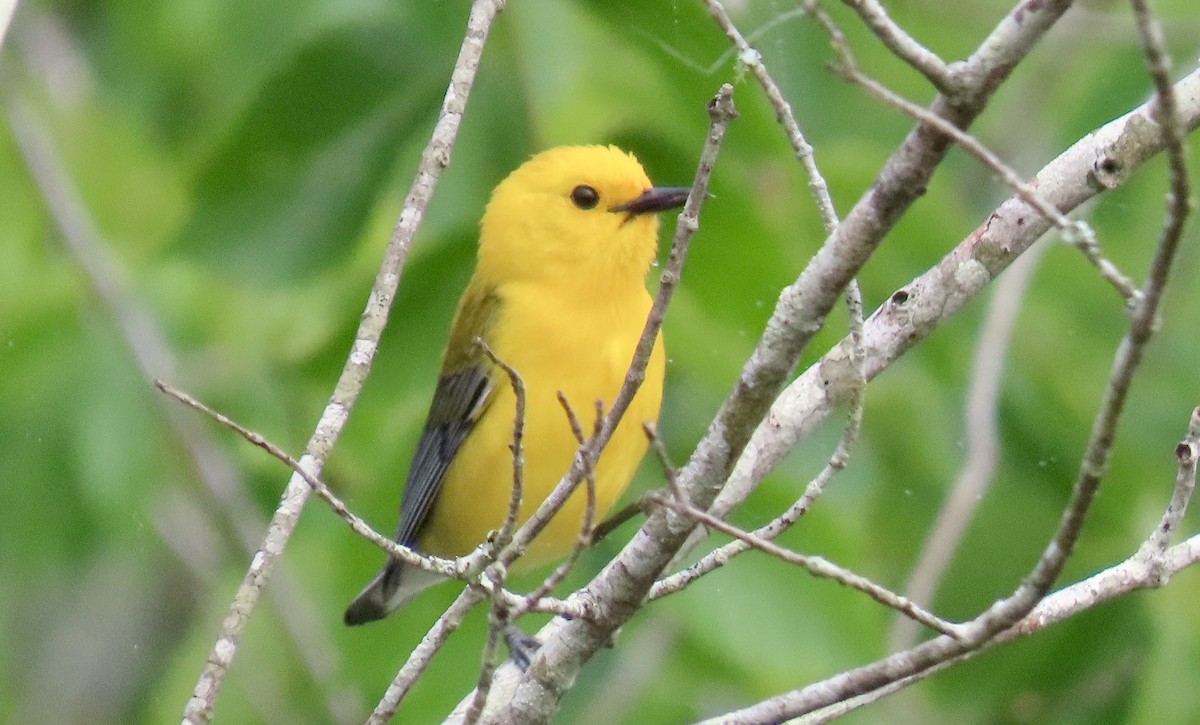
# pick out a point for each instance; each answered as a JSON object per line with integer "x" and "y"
{"x": 660, "y": 198}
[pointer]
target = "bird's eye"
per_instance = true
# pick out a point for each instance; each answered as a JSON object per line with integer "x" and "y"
{"x": 585, "y": 197}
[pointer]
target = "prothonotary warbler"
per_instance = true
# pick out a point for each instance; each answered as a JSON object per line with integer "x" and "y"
{"x": 558, "y": 293}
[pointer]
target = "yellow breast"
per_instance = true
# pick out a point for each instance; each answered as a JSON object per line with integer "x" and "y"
{"x": 582, "y": 348}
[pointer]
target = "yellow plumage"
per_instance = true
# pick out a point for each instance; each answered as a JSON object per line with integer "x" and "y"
{"x": 559, "y": 294}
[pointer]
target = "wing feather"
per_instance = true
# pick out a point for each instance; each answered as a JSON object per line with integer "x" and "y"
{"x": 463, "y": 393}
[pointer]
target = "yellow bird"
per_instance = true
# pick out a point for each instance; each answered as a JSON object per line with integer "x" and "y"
{"x": 559, "y": 293}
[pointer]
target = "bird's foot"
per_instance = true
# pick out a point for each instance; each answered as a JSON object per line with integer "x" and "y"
{"x": 521, "y": 647}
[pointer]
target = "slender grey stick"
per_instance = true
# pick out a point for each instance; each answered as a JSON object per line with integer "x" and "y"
{"x": 199, "y": 708}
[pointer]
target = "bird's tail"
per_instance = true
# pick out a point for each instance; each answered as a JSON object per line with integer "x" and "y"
{"x": 389, "y": 591}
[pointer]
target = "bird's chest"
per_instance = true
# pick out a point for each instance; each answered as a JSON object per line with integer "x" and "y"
{"x": 576, "y": 347}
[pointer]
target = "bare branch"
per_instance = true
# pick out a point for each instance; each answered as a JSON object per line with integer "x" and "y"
{"x": 1101, "y": 161}
{"x": 825, "y": 206}
{"x": 517, "y": 446}
{"x": 151, "y": 352}
{"x": 1128, "y": 358}
{"x": 544, "y": 604}
{"x": 982, "y": 440}
{"x": 1009, "y": 611}
{"x": 722, "y": 111}
{"x": 817, "y": 566}
{"x": 420, "y": 658}
{"x": 902, "y": 44}
{"x": 798, "y": 316}
{"x": 752, "y": 59}
{"x": 1186, "y": 453}
{"x": 1167, "y": 113}
{"x": 585, "y": 530}
{"x": 1082, "y": 237}
{"x": 1078, "y": 233}
{"x": 841, "y": 456}
{"x": 446, "y": 567}
{"x": 333, "y": 419}
{"x": 851, "y": 689}
{"x": 497, "y": 621}
{"x": 1150, "y": 567}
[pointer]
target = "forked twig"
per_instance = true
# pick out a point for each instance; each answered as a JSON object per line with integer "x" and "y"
{"x": 815, "y": 565}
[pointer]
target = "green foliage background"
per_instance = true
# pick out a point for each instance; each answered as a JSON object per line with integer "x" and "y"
{"x": 245, "y": 162}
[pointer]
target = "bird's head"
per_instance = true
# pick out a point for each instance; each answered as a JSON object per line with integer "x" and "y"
{"x": 575, "y": 213}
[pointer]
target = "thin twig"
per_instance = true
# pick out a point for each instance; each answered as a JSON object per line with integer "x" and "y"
{"x": 752, "y": 60}
{"x": 1083, "y": 238}
{"x": 837, "y": 461}
{"x": 670, "y": 472}
{"x": 818, "y": 566}
{"x": 517, "y": 446}
{"x": 798, "y": 314}
{"x": 1166, "y": 113}
{"x": 506, "y": 607}
{"x": 1127, "y": 360}
{"x": 906, "y": 48}
{"x": 1186, "y": 454}
{"x": 526, "y": 604}
{"x": 819, "y": 189}
{"x": 1118, "y": 148}
{"x": 584, "y": 539}
{"x": 853, "y": 688}
{"x": 1009, "y": 611}
{"x": 497, "y": 572}
{"x": 725, "y": 553}
{"x": 436, "y": 156}
{"x": 982, "y": 441}
{"x": 1150, "y": 567}
{"x": 497, "y": 621}
{"x": 1077, "y": 233}
{"x": 445, "y": 567}
{"x": 420, "y": 657}
{"x": 688, "y": 224}
{"x": 1129, "y": 354}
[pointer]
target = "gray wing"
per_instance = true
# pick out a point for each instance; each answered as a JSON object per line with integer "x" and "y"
{"x": 460, "y": 399}
{"x": 463, "y": 393}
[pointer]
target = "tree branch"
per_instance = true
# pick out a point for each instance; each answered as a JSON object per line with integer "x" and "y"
{"x": 1009, "y": 611}
{"x": 1101, "y": 161}
{"x": 333, "y": 419}
{"x": 817, "y": 566}
{"x": 800, "y": 313}
{"x": 1149, "y": 568}
{"x": 906, "y": 48}
{"x": 1152, "y": 566}
{"x": 152, "y": 355}
{"x": 982, "y": 441}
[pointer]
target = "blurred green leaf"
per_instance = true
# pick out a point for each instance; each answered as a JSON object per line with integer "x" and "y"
{"x": 286, "y": 192}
